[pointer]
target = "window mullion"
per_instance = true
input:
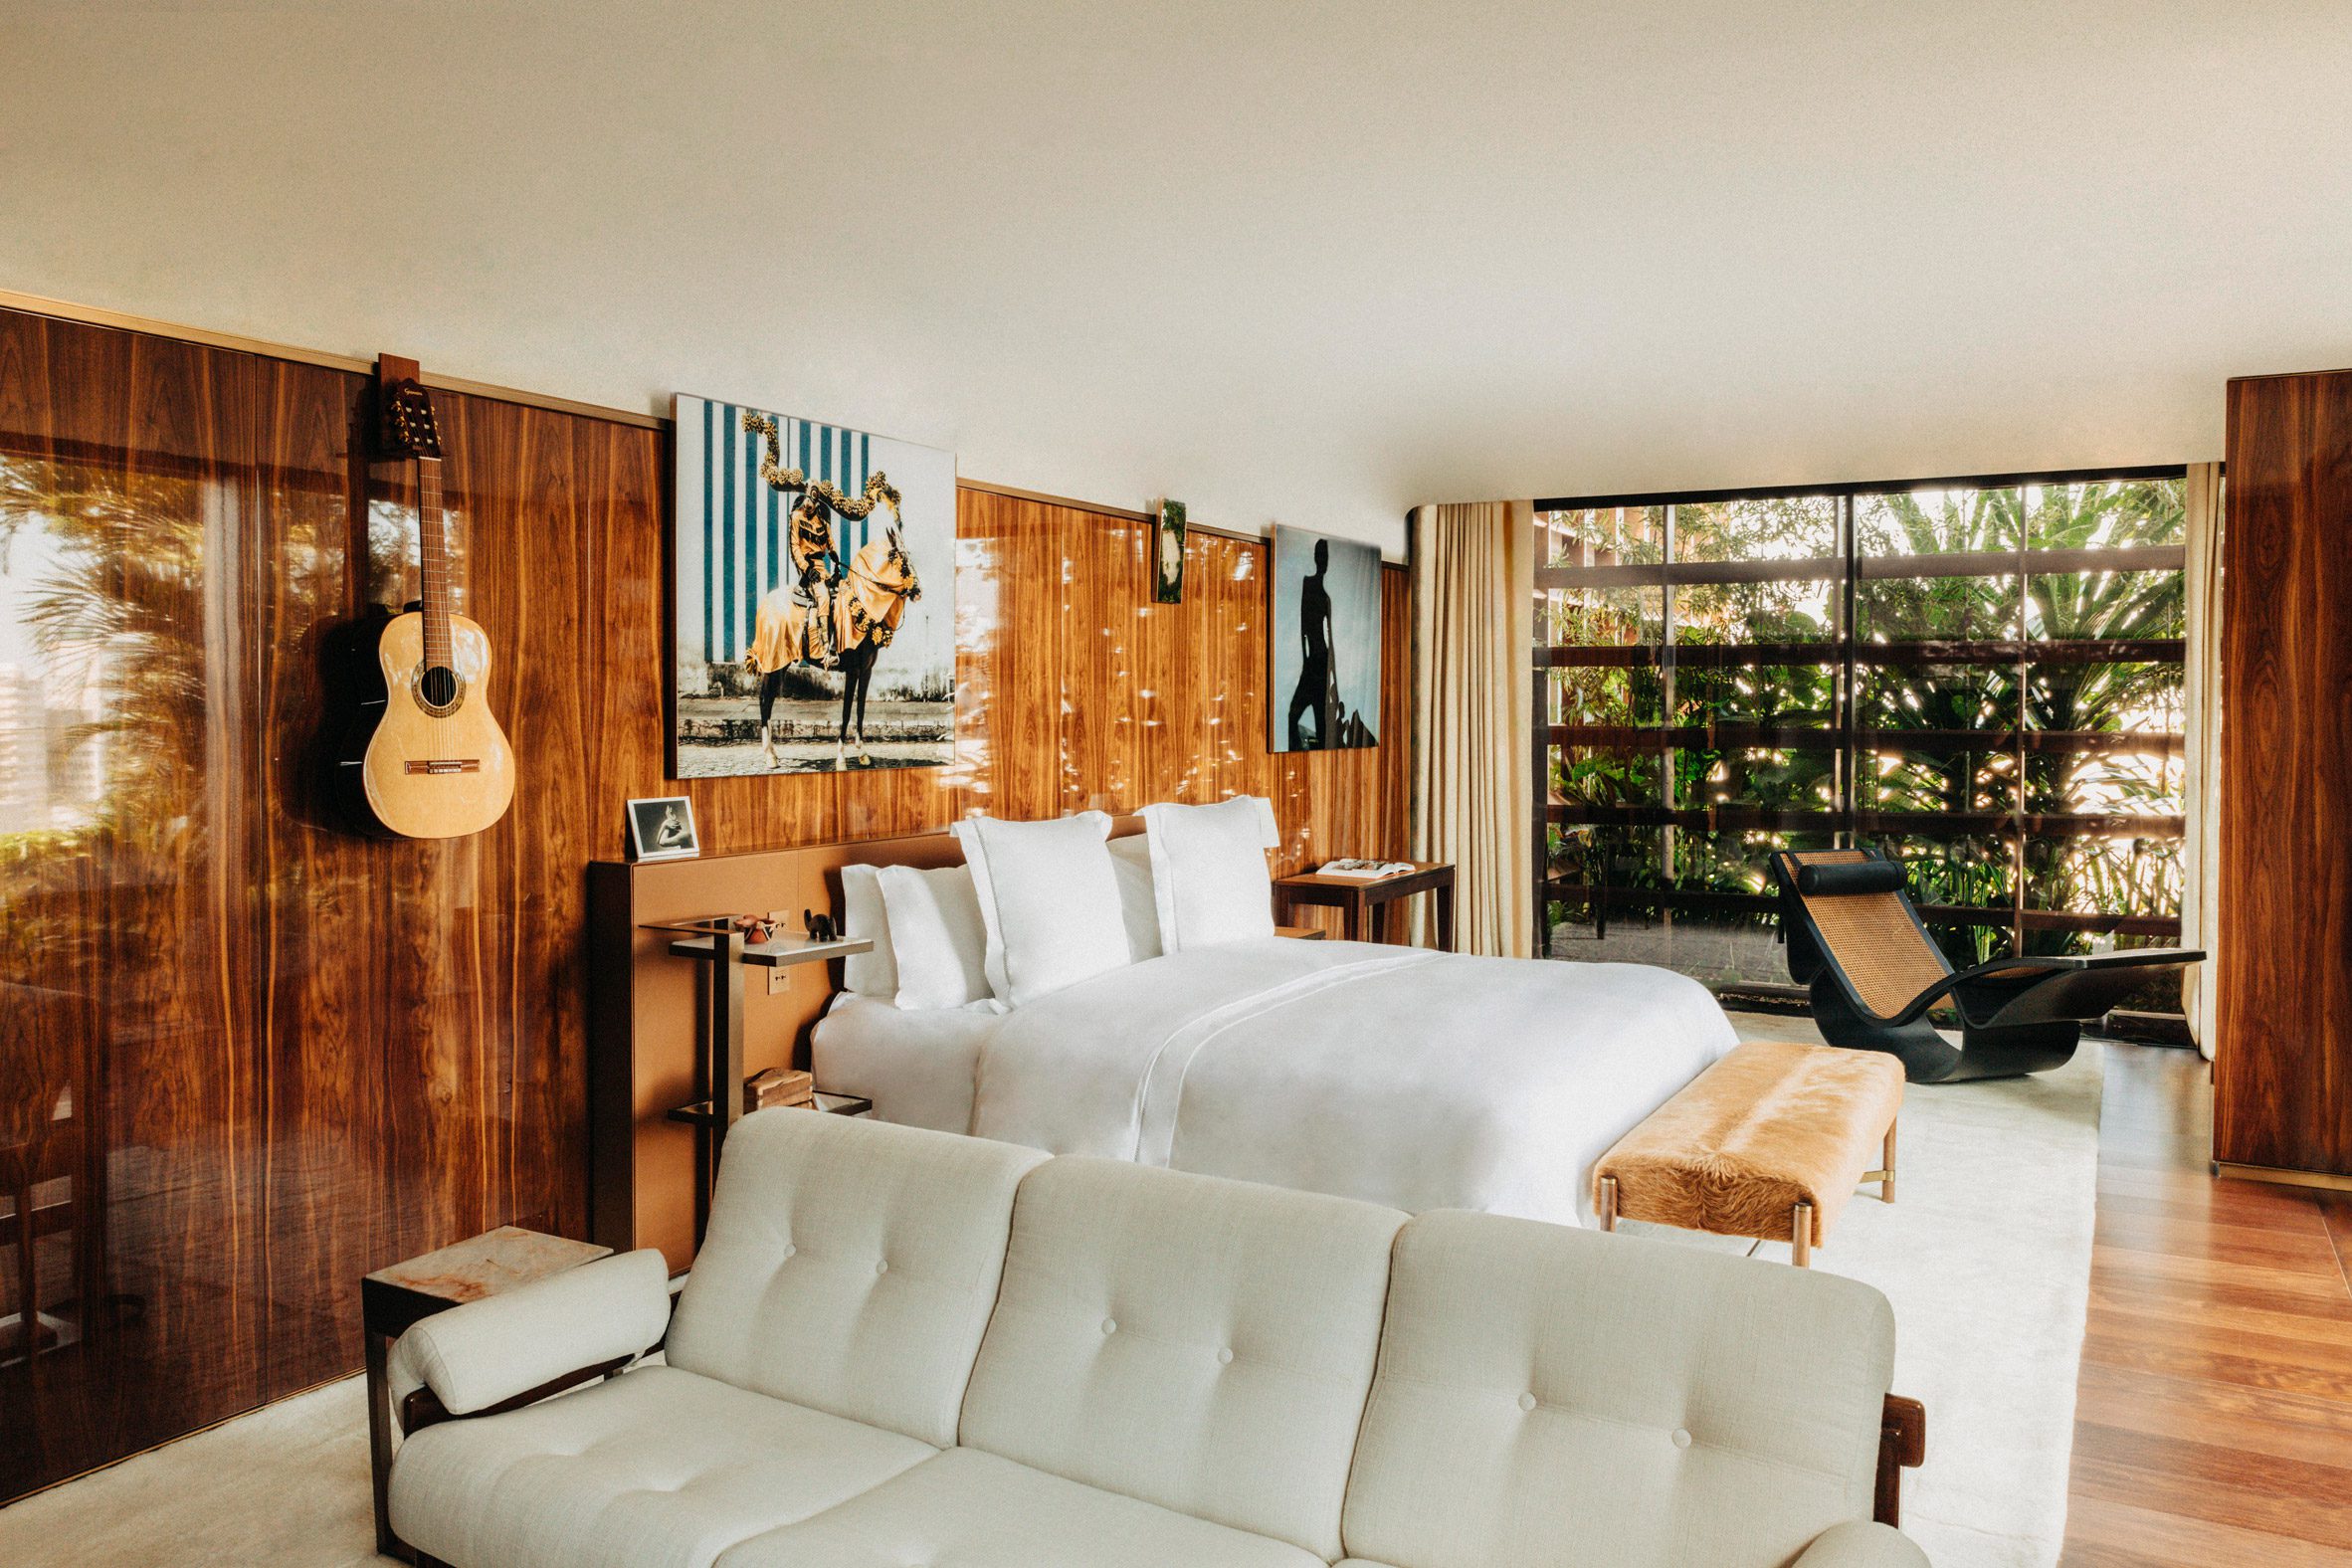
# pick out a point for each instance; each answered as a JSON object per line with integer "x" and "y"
{"x": 1848, "y": 677}
{"x": 1667, "y": 792}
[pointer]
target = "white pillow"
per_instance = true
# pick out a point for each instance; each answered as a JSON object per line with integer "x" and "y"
{"x": 937, "y": 937}
{"x": 1131, "y": 862}
{"x": 1207, "y": 871}
{"x": 1051, "y": 902}
{"x": 873, "y": 973}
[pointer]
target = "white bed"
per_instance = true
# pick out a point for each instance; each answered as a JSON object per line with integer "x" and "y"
{"x": 1409, "y": 1077}
{"x": 917, "y": 1066}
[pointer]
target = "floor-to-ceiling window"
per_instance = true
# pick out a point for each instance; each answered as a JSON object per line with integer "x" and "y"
{"x": 1983, "y": 677}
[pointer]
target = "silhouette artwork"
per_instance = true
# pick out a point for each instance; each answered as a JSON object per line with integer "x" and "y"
{"x": 1318, "y": 692}
{"x": 1326, "y": 642}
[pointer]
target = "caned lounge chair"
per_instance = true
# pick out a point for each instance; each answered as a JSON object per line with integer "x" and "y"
{"x": 1854, "y": 939}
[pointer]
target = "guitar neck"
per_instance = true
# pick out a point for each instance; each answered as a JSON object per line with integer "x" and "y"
{"x": 432, "y": 562}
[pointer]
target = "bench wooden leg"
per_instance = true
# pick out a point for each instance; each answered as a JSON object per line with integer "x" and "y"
{"x": 1885, "y": 1174}
{"x": 1608, "y": 1203}
{"x": 1800, "y": 1236}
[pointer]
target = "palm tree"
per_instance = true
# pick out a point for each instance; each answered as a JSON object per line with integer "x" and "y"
{"x": 1896, "y": 693}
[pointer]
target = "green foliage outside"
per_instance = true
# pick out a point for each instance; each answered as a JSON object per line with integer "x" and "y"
{"x": 2118, "y": 874}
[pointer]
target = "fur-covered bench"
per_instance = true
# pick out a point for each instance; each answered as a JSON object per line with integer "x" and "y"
{"x": 1770, "y": 1142}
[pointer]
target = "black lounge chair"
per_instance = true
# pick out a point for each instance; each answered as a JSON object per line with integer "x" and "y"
{"x": 1856, "y": 940}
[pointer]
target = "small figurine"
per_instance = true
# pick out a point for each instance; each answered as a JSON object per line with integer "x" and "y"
{"x": 756, "y": 929}
{"x": 820, "y": 926}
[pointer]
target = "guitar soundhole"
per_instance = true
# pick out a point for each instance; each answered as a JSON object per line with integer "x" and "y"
{"x": 438, "y": 686}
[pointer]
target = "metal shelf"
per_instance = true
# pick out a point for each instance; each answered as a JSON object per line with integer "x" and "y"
{"x": 700, "y": 1114}
{"x": 776, "y": 953}
{"x": 715, "y": 941}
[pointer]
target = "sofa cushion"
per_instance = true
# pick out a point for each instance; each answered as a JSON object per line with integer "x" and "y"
{"x": 1862, "y": 1543}
{"x": 1556, "y": 1396}
{"x": 849, "y": 1265}
{"x": 657, "y": 1469}
{"x": 969, "y": 1509}
{"x": 1198, "y": 1343}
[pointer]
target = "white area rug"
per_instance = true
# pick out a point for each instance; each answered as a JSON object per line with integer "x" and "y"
{"x": 1985, "y": 1255}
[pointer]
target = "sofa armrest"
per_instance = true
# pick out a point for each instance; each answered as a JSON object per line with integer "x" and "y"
{"x": 532, "y": 1341}
{"x": 1861, "y": 1545}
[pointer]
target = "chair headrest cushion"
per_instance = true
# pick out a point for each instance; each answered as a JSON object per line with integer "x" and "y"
{"x": 1850, "y": 877}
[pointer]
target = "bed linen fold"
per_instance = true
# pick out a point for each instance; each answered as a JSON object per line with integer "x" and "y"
{"x": 1408, "y": 1078}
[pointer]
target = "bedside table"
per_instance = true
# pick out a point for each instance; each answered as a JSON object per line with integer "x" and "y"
{"x": 392, "y": 1299}
{"x": 1360, "y": 903}
{"x": 1304, "y": 933}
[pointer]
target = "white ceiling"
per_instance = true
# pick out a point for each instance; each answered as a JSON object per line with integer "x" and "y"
{"x": 1314, "y": 262}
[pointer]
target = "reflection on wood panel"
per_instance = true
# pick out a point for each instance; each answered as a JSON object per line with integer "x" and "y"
{"x": 1077, "y": 692}
{"x": 246, "y": 1055}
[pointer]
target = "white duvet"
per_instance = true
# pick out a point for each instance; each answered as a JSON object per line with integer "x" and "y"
{"x": 1409, "y": 1077}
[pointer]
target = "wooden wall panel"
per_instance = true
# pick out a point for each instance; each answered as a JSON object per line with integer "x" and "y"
{"x": 2282, "y": 1070}
{"x": 246, "y": 1055}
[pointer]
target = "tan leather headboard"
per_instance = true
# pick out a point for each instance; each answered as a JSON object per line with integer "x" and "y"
{"x": 645, "y": 1011}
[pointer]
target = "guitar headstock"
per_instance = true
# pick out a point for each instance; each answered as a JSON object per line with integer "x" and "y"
{"x": 405, "y": 427}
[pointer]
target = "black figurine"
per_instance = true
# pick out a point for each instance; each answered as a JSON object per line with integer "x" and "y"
{"x": 820, "y": 926}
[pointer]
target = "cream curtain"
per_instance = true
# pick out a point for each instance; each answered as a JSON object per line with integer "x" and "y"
{"x": 2201, "y": 900}
{"x": 1474, "y": 626}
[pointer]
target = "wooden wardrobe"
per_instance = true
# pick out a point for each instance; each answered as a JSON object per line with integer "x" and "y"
{"x": 2282, "y": 1070}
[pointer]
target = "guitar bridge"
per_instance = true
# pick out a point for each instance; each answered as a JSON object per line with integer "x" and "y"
{"x": 444, "y": 765}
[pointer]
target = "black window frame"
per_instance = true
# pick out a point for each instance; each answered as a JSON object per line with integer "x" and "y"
{"x": 1845, "y": 822}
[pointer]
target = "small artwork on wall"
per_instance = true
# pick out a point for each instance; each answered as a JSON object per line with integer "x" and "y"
{"x": 1167, "y": 572}
{"x": 815, "y": 596}
{"x": 1325, "y": 629}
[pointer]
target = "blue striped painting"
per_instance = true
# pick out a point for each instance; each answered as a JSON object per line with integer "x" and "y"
{"x": 744, "y": 522}
{"x": 733, "y": 551}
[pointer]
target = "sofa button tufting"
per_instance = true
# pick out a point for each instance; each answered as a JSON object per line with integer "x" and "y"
{"x": 789, "y": 1248}
{"x": 1110, "y": 1325}
{"x": 1681, "y": 1439}
{"x": 881, "y": 1265}
{"x": 1526, "y": 1401}
{"x": 1224, "y": 1357}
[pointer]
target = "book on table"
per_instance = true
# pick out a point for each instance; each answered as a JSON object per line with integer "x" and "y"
{"x": 778, "y": 1087}
{"x": 1364, "y": 871}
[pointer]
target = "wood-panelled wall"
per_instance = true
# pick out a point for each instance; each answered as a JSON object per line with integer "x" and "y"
{"x": 2283, "y": 1064}
{"x": 245, "y": 1055}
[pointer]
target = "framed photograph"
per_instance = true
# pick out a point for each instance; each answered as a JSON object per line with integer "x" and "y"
{"x": 663, "y": 829}
{"x": 1324, "y": 692}
{"x": 1167, "y": 572}
{"x": 813, "y": 597}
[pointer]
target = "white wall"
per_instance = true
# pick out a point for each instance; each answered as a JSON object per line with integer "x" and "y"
{"x": 1312, "y": 262}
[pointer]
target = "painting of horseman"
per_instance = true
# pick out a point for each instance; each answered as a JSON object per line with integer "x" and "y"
{"x": 815, "y": 591}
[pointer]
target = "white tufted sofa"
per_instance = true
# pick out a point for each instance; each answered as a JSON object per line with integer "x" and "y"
{"x": 903, "y": 1349}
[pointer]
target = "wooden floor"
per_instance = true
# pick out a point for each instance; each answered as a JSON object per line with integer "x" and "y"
{"x": 2214, "y": 1426}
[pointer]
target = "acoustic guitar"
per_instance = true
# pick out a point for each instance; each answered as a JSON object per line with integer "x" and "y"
{"x": 429, "y": 758}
